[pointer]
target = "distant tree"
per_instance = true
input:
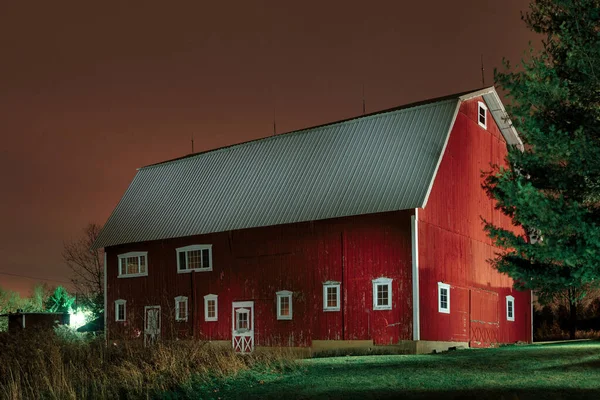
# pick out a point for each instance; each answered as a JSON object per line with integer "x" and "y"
{"x": 60, "y": 301}
{"x": 9, "y": 302}
{"x": 87, "y": 266}
{"x": 39, "y": 296}
{"x": 552, "y": 187}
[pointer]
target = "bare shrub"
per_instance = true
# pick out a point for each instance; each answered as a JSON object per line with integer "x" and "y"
{"x": 44, "y": 365}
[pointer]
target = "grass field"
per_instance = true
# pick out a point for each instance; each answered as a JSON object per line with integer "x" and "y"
{"x": 39, "y": 365}
{"x": 551, "y": 371}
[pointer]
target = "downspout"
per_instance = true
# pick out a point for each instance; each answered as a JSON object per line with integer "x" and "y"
{"x": 414, "y": 229}
{"x": 343, "y": 303}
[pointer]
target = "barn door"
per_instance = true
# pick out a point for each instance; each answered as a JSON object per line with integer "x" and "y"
{"x": 243, "y": 327}
{"x": 484, "y": 318}
{"x": 151, "y": 324}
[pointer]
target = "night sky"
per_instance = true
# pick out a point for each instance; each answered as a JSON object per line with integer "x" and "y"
{"x": 90, "y": 93}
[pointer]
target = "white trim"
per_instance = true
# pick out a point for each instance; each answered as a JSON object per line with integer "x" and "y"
{"x": 117, "y": 304}
{"x": 132, "y": 254}
{"x": 446, "y": 287}
{"x": 194, "y": 247}
{"x": 414, "y": 230}
{"x": 439, "y": 161}
{"x": 511, "y": 300}
{"x": 498, "y": 114}
{"x": 133, "y": 275}
{"x": 481, "y": 105}
{"x": 105, "y": 296}
{"x": 280, "y": 295}
{"x": 336, "y": 286}
{"x": 181, "y": 299}
{"x": 381, "y": 282}
{"x": 207, "y": 298}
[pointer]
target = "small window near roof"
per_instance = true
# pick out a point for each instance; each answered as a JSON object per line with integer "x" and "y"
{"x": 211, "y": 312}
{"x": 443, "y": 298}
{"x": 510, "y": 308}
{"x": 482, "y": 114}
{"x": 120, "y": 310}
{"x": 181, "y": 308}
{"x": 197, "y": 257}
{"x": 382, "y": 294}
{"x": 284, "y": 304}
{"x": 133, "y": 264}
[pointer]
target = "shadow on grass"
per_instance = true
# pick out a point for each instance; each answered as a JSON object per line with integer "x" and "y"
{"x": 357, "y": 393}
{"x": 584, "y": 365}
{"x": 544, "y": 373}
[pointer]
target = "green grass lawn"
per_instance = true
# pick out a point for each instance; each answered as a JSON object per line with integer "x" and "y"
{"x": 551, "y": 371}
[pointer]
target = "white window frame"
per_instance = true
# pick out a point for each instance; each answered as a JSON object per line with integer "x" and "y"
{"x": 236, "y": 325}
{"x": 194, "y": 247}
{"x": 132, "y": 254}
{"x": 117, "y": 304}
{"x": 207, "y": 299}
{"x": 511, "y": 300}
{"x": 280, "y": 295}
{"x": 382, "y": 282}
{"x": 443, "y": 286}
{"x": 336, "y": 286}
{"x": 482, "y": 106}
{"x": 181, "y": 299}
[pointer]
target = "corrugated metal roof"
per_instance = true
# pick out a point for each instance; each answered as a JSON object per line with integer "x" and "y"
{"x": 376, "y": 163}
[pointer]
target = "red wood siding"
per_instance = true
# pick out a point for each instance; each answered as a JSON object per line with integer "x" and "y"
{"x": 454, "y": 249}
{"x": 254, "y": 264}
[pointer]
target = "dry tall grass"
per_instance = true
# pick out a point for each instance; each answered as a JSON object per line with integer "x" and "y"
{"x": 36, "y": 365}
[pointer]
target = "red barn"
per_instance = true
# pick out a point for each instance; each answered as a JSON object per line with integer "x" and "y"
{"x": 362, "y": 232}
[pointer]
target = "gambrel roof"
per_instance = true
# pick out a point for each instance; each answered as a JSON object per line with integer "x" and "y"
{"x": 379, "y": 162}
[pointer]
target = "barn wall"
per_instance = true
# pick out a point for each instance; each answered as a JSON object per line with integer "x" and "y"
{"x": 253, "y": 264}
{"x": 454, "y": 249}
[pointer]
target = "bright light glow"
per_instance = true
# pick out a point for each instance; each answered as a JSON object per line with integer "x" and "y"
{"x": 79, "y": 318}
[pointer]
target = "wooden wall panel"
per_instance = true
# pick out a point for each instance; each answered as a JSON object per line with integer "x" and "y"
{"x": 453, "y": 247}
{"x": 253, "y": 264}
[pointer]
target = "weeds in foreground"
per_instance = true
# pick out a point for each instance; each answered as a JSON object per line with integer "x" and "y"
{"x": 45, "y": 365}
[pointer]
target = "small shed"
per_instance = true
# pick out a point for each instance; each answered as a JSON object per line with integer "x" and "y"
{"x": 35, "y": 320}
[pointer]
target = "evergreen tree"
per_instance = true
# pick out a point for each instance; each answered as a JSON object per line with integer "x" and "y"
{"x": 552, "y": 185}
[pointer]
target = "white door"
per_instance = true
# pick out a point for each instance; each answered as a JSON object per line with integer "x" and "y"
{"x": 243, "y": 326}
{"x": 151, "y": 324}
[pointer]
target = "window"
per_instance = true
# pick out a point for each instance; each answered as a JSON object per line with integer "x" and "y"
{"x": 133, "y": 264}
{"x": 482, "y": 114}
{"x": 210, "y": 307}
{"x": 241, "y": 319}
{"x": 382, "y": 294}
{"x": 284, "y": 304}
{"x": 181, "y": 308}
{"x": 197, "y": 257}
{"x": 443, "y": 298}
{"x": 120, "y": 310}
{"x": 331, "y": 296}
{"x": 510, "y": 308}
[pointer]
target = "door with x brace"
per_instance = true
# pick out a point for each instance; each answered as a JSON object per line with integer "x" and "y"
{"x": 243, "y": 326}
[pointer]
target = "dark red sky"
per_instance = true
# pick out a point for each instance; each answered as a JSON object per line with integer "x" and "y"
{"x": 90, "y": 93}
